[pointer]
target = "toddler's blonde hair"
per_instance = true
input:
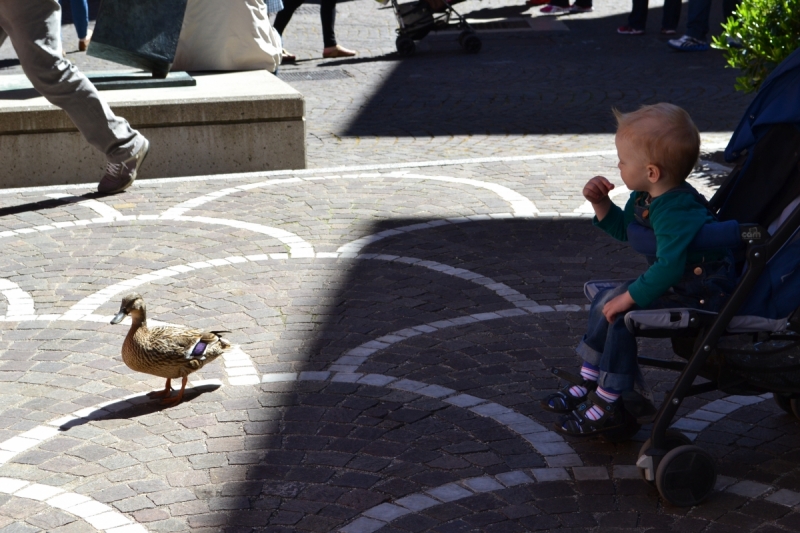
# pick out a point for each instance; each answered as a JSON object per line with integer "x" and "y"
{"x": 667, "y": 136}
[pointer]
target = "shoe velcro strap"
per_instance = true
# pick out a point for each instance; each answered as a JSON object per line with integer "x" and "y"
{"x": 605, "y": 405}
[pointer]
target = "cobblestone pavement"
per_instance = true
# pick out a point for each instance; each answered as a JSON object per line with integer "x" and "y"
{"x": 391, "y": 350}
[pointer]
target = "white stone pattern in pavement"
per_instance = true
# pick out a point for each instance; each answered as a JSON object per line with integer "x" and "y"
{"x": 563, "y": 462}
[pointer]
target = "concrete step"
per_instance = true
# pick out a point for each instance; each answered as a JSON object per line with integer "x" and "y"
{"x": 229, "y": 122}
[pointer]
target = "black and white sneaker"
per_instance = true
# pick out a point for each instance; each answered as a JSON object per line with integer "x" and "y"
{"x": 120, "y": 176}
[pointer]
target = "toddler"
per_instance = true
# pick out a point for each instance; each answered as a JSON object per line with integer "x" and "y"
{"x": 657, "y": 147}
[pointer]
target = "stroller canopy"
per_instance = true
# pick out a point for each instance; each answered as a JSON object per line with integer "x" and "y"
{"x": 777, "y": 102}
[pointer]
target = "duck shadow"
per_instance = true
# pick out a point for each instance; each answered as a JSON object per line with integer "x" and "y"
{"x": 147, "y": 406}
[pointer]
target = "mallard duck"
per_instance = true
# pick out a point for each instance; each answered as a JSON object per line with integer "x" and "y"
{"x": 169, "y": 352}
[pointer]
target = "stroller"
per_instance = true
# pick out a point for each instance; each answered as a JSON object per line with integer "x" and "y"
{"x": 752, "y": 346}
{"x": 417, "y": 19}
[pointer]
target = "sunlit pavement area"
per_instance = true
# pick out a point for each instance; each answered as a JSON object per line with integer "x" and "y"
{"x": 396, "y": 307}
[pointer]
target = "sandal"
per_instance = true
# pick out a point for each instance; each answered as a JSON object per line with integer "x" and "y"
{"x": 575, "y": 424}
{"x": 562, "y": 400}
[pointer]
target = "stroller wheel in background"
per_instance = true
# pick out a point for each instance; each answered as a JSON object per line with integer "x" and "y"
{"x": 686, "y": 476}
{"x": 674, "y": 439}
{"x": 470, "y": 42}
{"x": 405, "y": 46}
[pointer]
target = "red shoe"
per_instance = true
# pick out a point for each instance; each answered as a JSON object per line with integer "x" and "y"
{"x": 627, "y": 30}
{"x": 536, "y": 2}
{"x": 550, "y": 9}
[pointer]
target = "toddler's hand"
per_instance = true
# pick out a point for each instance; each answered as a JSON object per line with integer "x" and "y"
{"x": 620, "y": 304}
{"x": 596, "y": 189}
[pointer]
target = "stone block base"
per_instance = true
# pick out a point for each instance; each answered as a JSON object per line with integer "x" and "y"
{"x": 229, "y": 122}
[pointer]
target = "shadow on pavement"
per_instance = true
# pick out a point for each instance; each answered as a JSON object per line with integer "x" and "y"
{"x": 148, "y": 407}
{"x": 557, "y": 82}
{"x": 325, "y": 451}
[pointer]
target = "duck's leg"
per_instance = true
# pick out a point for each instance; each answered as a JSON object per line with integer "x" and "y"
{"x": 162, "y": 393}
{"x": 177, "y": 399}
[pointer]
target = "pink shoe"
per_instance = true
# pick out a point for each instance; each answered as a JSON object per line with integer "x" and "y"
{"x": 627, "y": 30}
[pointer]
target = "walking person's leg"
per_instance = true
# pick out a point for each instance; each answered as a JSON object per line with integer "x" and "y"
{"x": 34, "y": 28}
{"x": 80, "y": 18}
{"x": 282, "y": 19}
{"x": 697, "y": 23}
{"x": 637, "y": 19}
{"x": 327, "y": 14}
{"x": 671, "y": 16}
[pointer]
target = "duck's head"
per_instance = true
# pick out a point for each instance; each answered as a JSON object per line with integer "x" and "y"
{"x": 133, "y": 305}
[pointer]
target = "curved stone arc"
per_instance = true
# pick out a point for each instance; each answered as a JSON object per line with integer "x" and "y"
{"x": 547, "y": 443}
{"x": 99, "y": 515}
{"x": 88, "y": 305}
{"x": 355, "y": 357}
{"x": 356, "y": 245}
{"x": 298, "y": 247}
{"x": 520, "y": 205}
{"x": 104, "y": 210}
{"x": 20, "y": 303}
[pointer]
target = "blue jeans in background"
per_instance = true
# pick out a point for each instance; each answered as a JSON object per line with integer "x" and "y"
{"x": 80, "y": 16}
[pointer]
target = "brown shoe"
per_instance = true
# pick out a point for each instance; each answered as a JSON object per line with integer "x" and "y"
{"x": 337, "y": 51}
{"x": 286, "y": 57}
{"x": 83, "y": 44}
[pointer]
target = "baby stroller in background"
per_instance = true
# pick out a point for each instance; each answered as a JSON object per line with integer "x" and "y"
{"x": 417, "y": 19}
{"x": 752, "y": 346}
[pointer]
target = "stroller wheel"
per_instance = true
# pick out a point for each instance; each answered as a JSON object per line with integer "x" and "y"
{"x": 686, "y": 476}
{"x": 463, "y": 35}
{"x": 405, "y": 46}
{"x": 674, "y": 439}
{"x": 788, "y": 404}
{"x": 472, "y": 44}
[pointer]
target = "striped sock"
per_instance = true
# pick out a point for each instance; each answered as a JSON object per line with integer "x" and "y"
{"x": 589, "y": 372}
{"x": 607, "y": 394}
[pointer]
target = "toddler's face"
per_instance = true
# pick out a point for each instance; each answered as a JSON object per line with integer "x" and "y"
{"x": 632, "y": 164}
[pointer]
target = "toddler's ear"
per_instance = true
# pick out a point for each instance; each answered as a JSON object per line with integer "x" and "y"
{"x": 654, "y": 174}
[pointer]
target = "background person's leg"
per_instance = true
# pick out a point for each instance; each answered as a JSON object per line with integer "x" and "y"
{"x": 697, "y": 25}
{"x": 327, "y": 14}
{"x": 671, "y": 15}
{"x": 34, "y": 28}
{"x": 285, "y": 14}
{"x": 80, "y": 17}
{"x": 638, "y": 16}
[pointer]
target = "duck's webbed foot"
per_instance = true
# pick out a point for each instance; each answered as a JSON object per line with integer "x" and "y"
{"x": 162, "y": 393}
{"x": 176, "y": 399}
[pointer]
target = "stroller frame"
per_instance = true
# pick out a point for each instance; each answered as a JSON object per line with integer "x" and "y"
{"x": 416, "y": 19}
{"x": 685, "y": 474}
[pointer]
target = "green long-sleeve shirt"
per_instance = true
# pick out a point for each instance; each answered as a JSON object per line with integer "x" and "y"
{"x": 676, "y": 218}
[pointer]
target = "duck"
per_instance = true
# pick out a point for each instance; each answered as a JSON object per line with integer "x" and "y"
{"x": 170, "y": 352}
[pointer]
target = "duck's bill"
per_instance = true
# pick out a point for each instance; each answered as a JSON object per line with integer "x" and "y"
{"x": 118, "y": 318}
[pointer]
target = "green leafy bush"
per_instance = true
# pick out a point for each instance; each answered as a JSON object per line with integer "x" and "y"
{"x": 759, "y": 35}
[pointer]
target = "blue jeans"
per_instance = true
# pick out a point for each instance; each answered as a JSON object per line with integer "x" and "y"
{"x": 699, "y": 11}
{"x": 80, "y": 16}
{"x": 612, "y": 348}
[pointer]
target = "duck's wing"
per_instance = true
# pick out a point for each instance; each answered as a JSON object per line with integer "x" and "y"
{"x": 184, "y": 343}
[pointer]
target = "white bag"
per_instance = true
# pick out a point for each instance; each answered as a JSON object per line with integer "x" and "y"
{"x": 227, "y": 35}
